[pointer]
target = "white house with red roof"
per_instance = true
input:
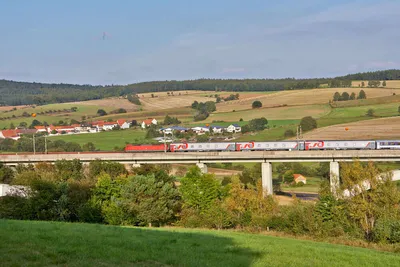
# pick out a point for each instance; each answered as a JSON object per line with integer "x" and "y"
{"x": 123, "y": 124}
{"x": 41, "y": 129}
{"x": 60, "y": 129}
{"x": 12, "y": 134}
{"x": 148, "y": 122}
{"x": 298, "y": 178}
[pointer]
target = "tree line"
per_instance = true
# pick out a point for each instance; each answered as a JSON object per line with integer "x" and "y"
{"x": 25, "y": 93}
{"x": 345, "y": 96}
{"x": 105, "y": 192}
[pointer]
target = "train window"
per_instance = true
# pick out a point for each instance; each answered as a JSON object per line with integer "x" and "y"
{"x": 259, "y": 145}
{"x": 345, "y": 144}
{"x": 208, "y": 146}
{"x": 354, "y": 144}
{"x": 275, "y": 145}
{"x": 337, "y": 144}
{"x": 200, "y": 146}
{"x": 267, "y": 145}
{"x": 192, "y": 146}
{"x": 328, "y": 144}
{"x": 284, "y": 145}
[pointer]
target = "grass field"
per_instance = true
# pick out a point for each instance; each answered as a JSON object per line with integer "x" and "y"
{"x": 281, "y": 113}
{"x": 83, "y": 110}
{"x": 383, "y": 110}
{"x": 30, "y": 243}
{"x": 312, "y": 186}
{"x": 105, "y": 140}
{"x": 369, "y": 101}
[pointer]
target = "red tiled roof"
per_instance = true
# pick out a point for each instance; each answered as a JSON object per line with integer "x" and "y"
{"x": 120, "y": 122}
{"x": 295, "y": 176}
{"x": 148, "y": 121}
{"x": 61, "y": 127}
{"x": 9, "y": 133}
{"x": 40, "y": 127}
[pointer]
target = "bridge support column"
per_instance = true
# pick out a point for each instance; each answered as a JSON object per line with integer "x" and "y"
{"x": 202, "y": 167}
{"x": 334, "y": 176}
{"x": 266, "y": 178}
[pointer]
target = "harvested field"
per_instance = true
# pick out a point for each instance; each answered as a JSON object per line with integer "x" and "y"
{"x": 389, "y": 84}
{"x": 385, "y": 128}
{"x": 281, "y": 113}
{"x": 300, "y": 97}
{"x": 9, "y": 108}
{"x": 112, "y": 103}
{"x": 157, "y": 114}
{"x": 168, "y": 102}
{"x": 369, "y": 101}
{"x": 175, "y": 93}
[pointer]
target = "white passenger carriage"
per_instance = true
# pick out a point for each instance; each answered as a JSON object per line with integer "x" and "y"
{"x": 282, "y": 145}
{"x": 221, "y": 146}
{"x": 388, "y": 144}
{"x": 339, "y": 145}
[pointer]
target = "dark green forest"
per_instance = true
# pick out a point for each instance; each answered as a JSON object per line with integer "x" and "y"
{"x": 23, "y": 93}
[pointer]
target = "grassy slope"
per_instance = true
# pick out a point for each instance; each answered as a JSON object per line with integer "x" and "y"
{"x": 83, "y": 110}
{"x": 105, "y": 140}
{"x": 50, "y": 243}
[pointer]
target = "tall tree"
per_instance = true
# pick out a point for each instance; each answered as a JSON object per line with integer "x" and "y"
{"x": 362, "y": 95}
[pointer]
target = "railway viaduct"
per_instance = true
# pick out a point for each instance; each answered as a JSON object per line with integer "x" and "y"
{"x": 202, "y": 158}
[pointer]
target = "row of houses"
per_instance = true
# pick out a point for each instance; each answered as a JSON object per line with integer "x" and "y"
{"x": 233, "y": 128}
{"x": 93, "y": 127}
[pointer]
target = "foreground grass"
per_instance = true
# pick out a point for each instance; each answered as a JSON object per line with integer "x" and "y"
{"x": 30, "y": 243}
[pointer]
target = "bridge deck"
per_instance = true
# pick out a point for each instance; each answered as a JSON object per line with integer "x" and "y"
{"x": 212, "y": 157}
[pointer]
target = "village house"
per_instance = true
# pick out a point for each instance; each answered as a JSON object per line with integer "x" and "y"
{"x": 148, "y": 122}
{"x": 217, "y": 129}
{"x": 299, "y": 178}
{"x": 12, "y": 134}
{"x": 170, "y": 130}
{"x": 234, "y": 128}
{"x": 41, "y": 129}
{"x": 201, "y": 130}
{"x": 61, "y": 129}
{"x": 15, "y": 134}
{"x": 123, "y": 124}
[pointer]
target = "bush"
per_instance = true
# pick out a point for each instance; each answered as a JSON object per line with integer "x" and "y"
{"x": 308, "y": 123}
{"x": 256, "y": 104}
{"x": 101, "y": 112}
{"x": 289, "y": 133}
{"x": 370, "y": 112}
{"x": 387, "y": 231}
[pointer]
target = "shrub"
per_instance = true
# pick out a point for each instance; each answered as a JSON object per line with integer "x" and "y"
{"x": 308, "y": 123}
{"x": 370, "y": 112}
{"x": 289, "y": 133}
{"x": 256, "y": 104}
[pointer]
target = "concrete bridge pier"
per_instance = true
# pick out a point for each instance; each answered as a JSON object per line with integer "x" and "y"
{"x": 266, "y": 178}
{"x": 334, "y": 176}
{"x": 202, "y": 167}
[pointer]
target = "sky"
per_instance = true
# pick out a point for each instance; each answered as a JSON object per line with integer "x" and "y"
{"x": 128, "y": 41}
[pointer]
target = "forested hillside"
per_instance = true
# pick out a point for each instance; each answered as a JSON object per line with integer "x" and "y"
{"x": 18, "y": 93}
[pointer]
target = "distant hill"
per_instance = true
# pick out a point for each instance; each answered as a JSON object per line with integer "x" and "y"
{"x": 22, "y": 93}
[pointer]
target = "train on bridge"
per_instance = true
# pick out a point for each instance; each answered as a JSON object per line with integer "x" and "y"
{"x": 268, "y": 146}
